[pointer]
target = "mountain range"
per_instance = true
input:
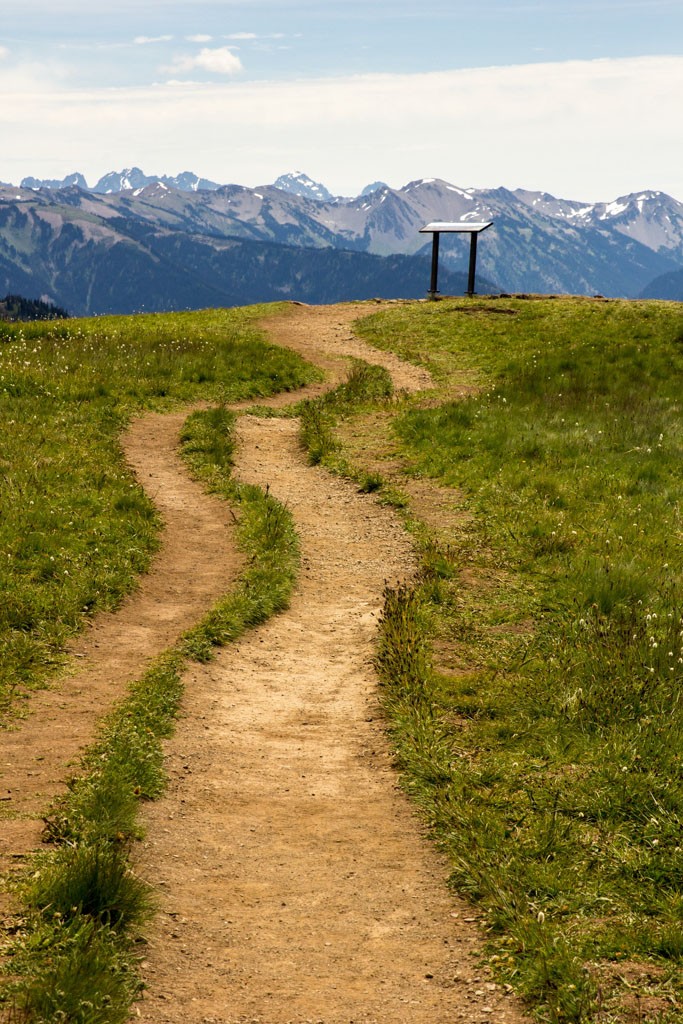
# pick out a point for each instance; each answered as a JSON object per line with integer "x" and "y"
{"x": 295, "y": 182}
{"x": 119, "y": 181}
{"x": 135, "y": 241}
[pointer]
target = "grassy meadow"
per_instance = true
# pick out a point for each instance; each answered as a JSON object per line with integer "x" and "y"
{"x": 531, "y": 674}
{"x": 534, "y": 675}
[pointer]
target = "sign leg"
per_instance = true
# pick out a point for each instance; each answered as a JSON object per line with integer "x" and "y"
{"x": 435, "y": 265}
{"x": 473, "y": 263}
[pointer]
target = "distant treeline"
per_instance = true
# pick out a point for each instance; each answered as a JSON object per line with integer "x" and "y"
{"x": 15, "y": 307}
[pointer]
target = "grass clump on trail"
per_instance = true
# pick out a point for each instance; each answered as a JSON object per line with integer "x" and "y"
{"x": 75, "y": 958}
{"x": 75, "y": 527}
{"x": 266, "y": 533}
{"x": 541, "y": 727}
{"x": 365, "y": 385}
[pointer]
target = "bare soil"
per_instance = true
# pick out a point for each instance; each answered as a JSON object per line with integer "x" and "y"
{"x": 294, "y": 882}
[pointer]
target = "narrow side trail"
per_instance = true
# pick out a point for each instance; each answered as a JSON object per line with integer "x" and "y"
{"x": 295, "y": 885}
{"x": 196, "y": 564}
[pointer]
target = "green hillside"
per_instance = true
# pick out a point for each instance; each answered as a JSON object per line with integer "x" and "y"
{"x": 532, "y": 675}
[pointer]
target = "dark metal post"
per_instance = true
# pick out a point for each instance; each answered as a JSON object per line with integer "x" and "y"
{"x": 473, "y": 263}
{"x": 435, "y": 265}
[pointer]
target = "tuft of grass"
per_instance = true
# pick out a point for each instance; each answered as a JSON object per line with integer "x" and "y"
{"x": 91, "y": 881}
{"x": 368, "y": 483}
{"x": 365, "y": 385}
{"x": 86, "y": 979}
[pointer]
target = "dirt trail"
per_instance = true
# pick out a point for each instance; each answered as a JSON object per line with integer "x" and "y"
{"x": 197, "y": 563}
{"x": 323, "y": 335}
{"x": 294, "y": 883}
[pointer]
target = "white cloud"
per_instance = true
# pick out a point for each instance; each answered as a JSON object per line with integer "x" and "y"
{"x": 199, "y": 39}
{"x": 588, "y": 130}
{"x": 4, "y": 52}
{"x": 253, "y": 36}
{"x": 146, "y": 40}
{"x": 219, "y": 61}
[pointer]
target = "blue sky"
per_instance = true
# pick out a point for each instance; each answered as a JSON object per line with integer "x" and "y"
{"x": 576, "y": 98}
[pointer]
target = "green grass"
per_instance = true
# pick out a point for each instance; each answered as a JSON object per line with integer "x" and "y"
{"x": 542, "y": 730}
{"x": 78, "y": 973}
{"x": 76, "y": 957}
{"x": 365, "y": 387}
{"x": 76, "y": 530}
{"x": 531, "y": 675}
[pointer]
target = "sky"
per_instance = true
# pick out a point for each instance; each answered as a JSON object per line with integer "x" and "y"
{"x": 579, "y": 98}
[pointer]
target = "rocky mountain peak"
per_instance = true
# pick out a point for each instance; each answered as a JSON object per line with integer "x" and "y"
{"x": 299, "y": 184}
{"x": 376, "y": 186}
{"x": 69, "y": 181}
